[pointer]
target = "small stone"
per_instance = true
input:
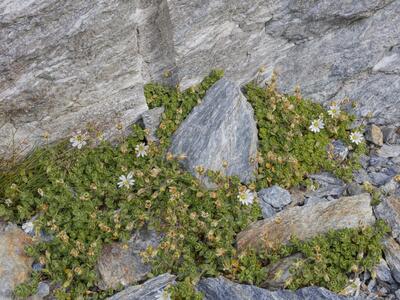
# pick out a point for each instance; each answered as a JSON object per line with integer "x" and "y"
{"x": 151, "y": 121}
{"x": 383, "y": 272}
{"x": 378, "y": 178}
{"x": 374, "y": 135}
{"x": 354, "y": 189}
{"x": 15, "y": 265}
{"x": 43, "y": 289}
{"x": 314, "y": 200}
{"x": 389, "y": 134}
{"x": 397, "y": 293}
{"x": 392, "y": 256}
{"x": 275, "y": 196}
{"x": 220, "y": 129}
{"x": 390, "y": 187}
{"x": 279, "y": 273}
{"x": 338, "y": 150}
{"x": 267, "y": 210}
{"x": 305, "y": 222}
{"x": 389, "y": 151}
{"x": 150, "y": 290}
{"x": 328, "y": 185}
{"x": 389, "y": 211}
{"x": 37, "y": 267}
{"x": 119, "y": 265}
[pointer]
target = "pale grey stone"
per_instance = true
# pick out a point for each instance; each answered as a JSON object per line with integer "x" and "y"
{"x": 117, "y": 265}
{"x": 383, "y": 272}
{"x": 267, "y": 210}
{"x": 328, "y": 185}
{"x": 275, "y": 196}
{"x": 220, "y": 129}
{"x": 43, "y": 289}
{"x": 378, "y": 178}
{"x": 149, "y": 290}
{"x": 151, "y": 120}
{"x": 389, "y": 151}
{"x": 389, "y": 134}
{"x": 223, "y": 289}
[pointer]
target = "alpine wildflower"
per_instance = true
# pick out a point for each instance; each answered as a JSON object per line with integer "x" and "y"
{"x": 246, "y": 197}
{"x": 317, "y": 125}
{"x": 334, "y": 110}
{"x": 141, "y": 150}
{"x": 126, "y": 181}
{"x": 356, "y": 137}
{"x": 78, "y": 140}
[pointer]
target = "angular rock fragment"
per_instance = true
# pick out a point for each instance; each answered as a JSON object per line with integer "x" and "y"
{"x": 220, "y": 129}
{"x": 338, "y": 150}
{"x": 151, "y": 121}
{"x": 223, "y": 289}
{"x": 118, "y": 265}
{"x": 149, "y": 290}
{"x": 307, "y": 221}
{"x": 273, "y": 199}
{"x": 15, "y": 265}
{"x": 392, "y": 256}
{"x": 389, "y": 211}
{"x": 374, "y": 135}
{"x": 389, "y": 151}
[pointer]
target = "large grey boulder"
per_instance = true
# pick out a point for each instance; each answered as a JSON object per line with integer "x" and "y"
{"x": 15, "y": 265}
{"x": 305, "y": 222}
{"x": 222, "y": 289}
{"x": 120, "y": 265}
{"x": 220, "y": 129}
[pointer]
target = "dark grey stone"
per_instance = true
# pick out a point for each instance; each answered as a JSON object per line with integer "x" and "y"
{"x": 378, "y": 179}
{"x": 354, "y": 188}
{"x": 328, "y": 185}
{"x": 220, "y": 129}
{"x": 150, "y": 290}
{"x": 389, "y": 134}
{"x": 389, "y": 211}
{"x": 383, "y": 272}
{"x": 223, "y": 289}
{"x": 392, "y": 257}
{"x": 338, "y": 150}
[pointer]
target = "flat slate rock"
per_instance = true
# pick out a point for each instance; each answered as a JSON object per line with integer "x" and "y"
{"x": 15, "y": 265}
{"x": 305, "y": 222}
{"x": 220, "y": 129}
{"x": 150, "y": 290}
{"x": 223, "y": 289}
{"x": 117, "y": 265}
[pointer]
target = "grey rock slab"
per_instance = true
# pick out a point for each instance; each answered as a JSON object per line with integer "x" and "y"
{"x": 151, "y": 120}
{"x": 149, "y": 290}
{"x": 117, "y": 265}
{"x": 389, "y": 151}
{"x": 221, "y": 128}
{"x": 222, "y": 289}
{"x": 306, "y": 222}
{"x": 383, "y": 272}
{"x": 15, "y": 265}
{"x": 392, "y": 256}
{"x": 328, "y": 185}
{"x": 275, "y": 196}
{"x": 389, "y": 211}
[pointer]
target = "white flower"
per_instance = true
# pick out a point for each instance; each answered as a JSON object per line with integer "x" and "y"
{"x": 246, "y": 197}
{"x": 334, "y": 110}
{"x": 141, "y": 150}
{"x": 126, "y": 181}
{"x": 163, "y": 295}
{"x": 28, "y": 227}
{"x": 356, "y": 137}
{"x": 78, "y": 140}
{"x": 317, "y": 125}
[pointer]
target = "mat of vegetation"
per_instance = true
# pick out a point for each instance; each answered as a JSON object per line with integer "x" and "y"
{"x": 95, "y": 193}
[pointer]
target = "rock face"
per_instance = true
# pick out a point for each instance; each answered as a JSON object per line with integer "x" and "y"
{"x": 149, "y": 290}
{"x": 15, "y": 266}
{"x": 220, "y": 129}
{"x": 118, "y": 265}
{"x": 307, "y": 221}
{"x": 222, "y": 289}
{"x": 392, "y": 256}
{"x": 64, "y": 64}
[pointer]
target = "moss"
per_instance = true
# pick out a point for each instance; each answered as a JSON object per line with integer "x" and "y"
{"x": 75, "y": 197}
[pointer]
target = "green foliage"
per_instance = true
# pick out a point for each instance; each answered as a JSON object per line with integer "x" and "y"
{"x": 75, "y": 198}
{"x": 288, "y": 150}
{"x": 330, "y": 259}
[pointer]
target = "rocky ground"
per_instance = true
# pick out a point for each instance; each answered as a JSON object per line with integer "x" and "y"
{"x": 219, "y": 130}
